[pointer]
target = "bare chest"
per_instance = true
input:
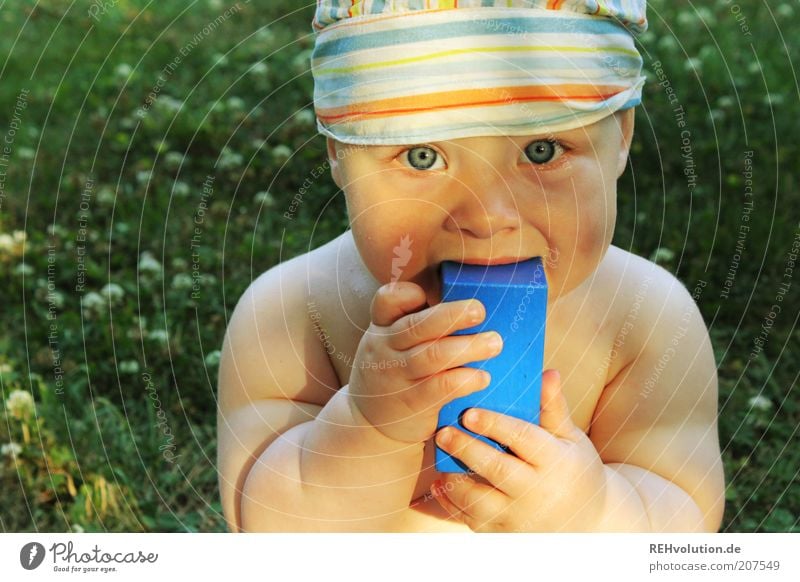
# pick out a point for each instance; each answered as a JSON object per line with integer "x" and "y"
{"x": 576, "y": 344}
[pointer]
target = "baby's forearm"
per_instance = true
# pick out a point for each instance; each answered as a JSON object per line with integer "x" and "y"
{"x": 638, "y": 500}
{"x": 354, "y": 467}
{"x": 339, "y": 474}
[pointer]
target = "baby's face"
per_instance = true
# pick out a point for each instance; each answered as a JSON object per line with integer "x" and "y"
{"x": 486, "y": 200}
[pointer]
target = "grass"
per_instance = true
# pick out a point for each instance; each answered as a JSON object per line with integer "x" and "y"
{"x": 115, "y": 306}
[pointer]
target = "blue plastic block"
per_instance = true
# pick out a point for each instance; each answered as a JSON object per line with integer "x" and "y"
{"x": 515, "y": 298}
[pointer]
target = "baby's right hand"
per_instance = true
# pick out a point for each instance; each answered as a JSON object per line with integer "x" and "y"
{"x": 408, "y": 366}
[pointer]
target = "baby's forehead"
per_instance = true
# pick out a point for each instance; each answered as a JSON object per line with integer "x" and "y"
{"x": 589, "y": 132}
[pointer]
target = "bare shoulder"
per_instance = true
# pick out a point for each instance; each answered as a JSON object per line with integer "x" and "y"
{"x": 646, "y": 304}
{"x": 658, "y": 410}
{"x": 274, "y": 373}
{"x": 658, "y": 321}
{"x": 269, "y": 339}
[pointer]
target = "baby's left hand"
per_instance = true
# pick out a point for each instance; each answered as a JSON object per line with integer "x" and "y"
{"x": 556, "y": 481}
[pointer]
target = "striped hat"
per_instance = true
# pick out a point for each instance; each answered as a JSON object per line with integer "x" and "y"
{"x": 412, "y": 71}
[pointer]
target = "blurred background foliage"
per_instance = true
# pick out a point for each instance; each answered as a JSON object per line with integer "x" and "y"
{"x": 153, "y": 151}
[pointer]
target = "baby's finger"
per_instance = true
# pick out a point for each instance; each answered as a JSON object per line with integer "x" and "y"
{"x": 529, "y": 442}
{"x": 555, "y": 416}
{"x": 506, "y": 472}
{"x": 435, "y": 322}
{"x": 482, "y": 502}
{"x": 458, "y": 513}
{"x": 394, "y": 300}
{"x": 451, "y": 352}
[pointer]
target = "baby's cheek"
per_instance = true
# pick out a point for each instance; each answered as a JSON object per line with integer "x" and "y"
{"x": 594, "y": 233}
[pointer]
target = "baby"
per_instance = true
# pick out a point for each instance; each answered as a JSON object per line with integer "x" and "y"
{"x": 484, "y": 133}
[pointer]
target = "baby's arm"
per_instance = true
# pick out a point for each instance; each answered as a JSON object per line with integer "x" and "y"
{"x": 656, "y": 424}
{"x": 294, "y": 455}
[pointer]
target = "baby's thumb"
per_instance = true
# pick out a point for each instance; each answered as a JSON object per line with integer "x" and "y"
{"x": 394, "y": 300}
{"x": 554, "y": 416}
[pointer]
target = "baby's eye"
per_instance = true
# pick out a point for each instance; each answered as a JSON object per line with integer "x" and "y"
{"x": 424, "y": 158}
{"x": 543, "y": 151}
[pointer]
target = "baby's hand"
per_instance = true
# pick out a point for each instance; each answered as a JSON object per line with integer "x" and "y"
{"x": 408, "y": 366}
{"x": 556, "y": 481}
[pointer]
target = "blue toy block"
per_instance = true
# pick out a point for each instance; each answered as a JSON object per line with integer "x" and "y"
{"x": 515, "y": 298}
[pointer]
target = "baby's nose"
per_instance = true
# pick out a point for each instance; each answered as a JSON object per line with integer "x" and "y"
{"x": 484, "y": 214}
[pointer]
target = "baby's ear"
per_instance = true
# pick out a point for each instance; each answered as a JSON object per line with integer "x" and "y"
{"x": 625, "y": 121}
{"x": 334, "y": 161}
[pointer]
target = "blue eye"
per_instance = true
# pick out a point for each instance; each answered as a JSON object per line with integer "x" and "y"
{"x": 422, "y": 158}
{"x": 543, "y": 151}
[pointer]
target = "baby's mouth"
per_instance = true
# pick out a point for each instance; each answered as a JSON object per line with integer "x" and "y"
{"x": 433, "y": 286}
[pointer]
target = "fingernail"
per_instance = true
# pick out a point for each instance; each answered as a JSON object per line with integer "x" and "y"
{"x": 475, "y": 314}
{"x": 471, "y": 417}
{"x": 443, "y": 438}
{"x": 495, "y": 342}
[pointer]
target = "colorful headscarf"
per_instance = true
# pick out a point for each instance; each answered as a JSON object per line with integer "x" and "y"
{"x": 412, "y": 71}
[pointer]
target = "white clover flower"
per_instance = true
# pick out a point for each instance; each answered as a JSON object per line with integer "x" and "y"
{"x": 113, "y": 293}
{"x": 302, "y": 61}
{"x": 685, "y": 18}
{"x": 13, "y": 244}
{"x": 181, "y": 189}
{"x": 693, "y": 64}
{"x": 264, "y": 198}
{"x": 168, "y": 104}
{"x": 182, "y": 281}
{"x": 20, "y": 404}
{"x": 773, "y": 99}
{"x": 667, "y": 43}
{"x": 56, "y": 298}
{"x": 264, "y": 36}
{"x": 760, "y": 402}
{"x": 704, "y": 14}
{"x": 785, "y": 11}
{"x": 662, "y": 254}
{"x": 179, "y": 263}
{"x": 106, "y": 196}
{"x": 717, "y": 114}
{"x": 173, "y": 160}
{"x": 281, "y": 153}
{"x": 23, "y": 269}
{"x": 220, "y": 59}
{"x": 725, "y": 101}
{"x": 235, "y": 103}
{"x": 93, "y": 303}
{"x": 159, "y": 336}
{"x": 26, "y": 153}
{"x": 55, "y": 230}
{"x": 5, "y": 368}
{"x": 213, "y": 358}
{"x": 149, "y": 264}
{"x": 11, "y": 450}
{"x": 259, "y": 68}
{"x": 305, "y": 117}
{"x": 77, "y": 528}
{"x": 229, "y": 159}
{"x": 129, "y": 367}
{"x": 123, "y": 70}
